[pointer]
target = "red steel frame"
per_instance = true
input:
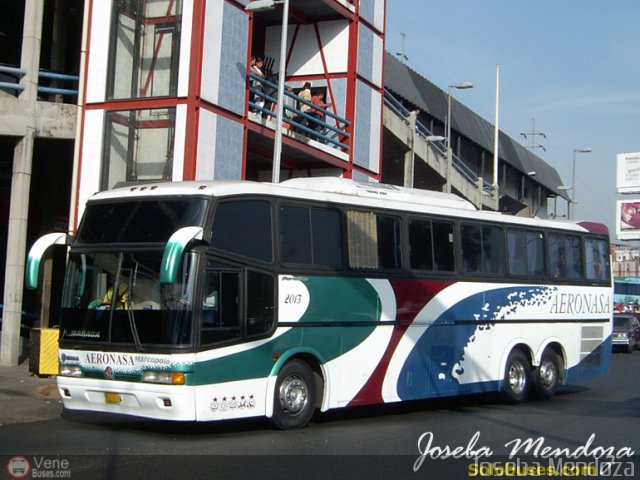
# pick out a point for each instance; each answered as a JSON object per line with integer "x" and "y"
{"x": 194, "y": 103}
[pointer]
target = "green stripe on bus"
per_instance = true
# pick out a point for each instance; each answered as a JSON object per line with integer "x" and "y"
{"x": 331, "y": 299}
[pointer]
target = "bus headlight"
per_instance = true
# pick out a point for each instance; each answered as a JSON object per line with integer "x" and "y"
{"x": 70, "y": 371}
{"x": 168, "y": 378}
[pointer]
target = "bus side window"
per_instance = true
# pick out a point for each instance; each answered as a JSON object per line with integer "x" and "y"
{"x": 481, "y": 249}
{"x": 443, "y": 251}
{"x": 565, "y": 258}
{"x": 431, "y": 245}
{"x": 220, "y": 306}
{"x": 420, "y": 245}
{"x": 310, "y": 236}
{"x": 471, "y": 248}
{"x": 235, "y": 225}
{"x": 373, "y": 240}
{"x": 525, "y": 250}
{"x": 597, "y": 259}
{"x": 260, "y": 303}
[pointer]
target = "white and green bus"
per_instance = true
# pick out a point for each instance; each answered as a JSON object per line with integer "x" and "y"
{"x": 202, "y": 301}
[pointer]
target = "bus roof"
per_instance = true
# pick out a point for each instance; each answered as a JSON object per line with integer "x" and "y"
{"x": 346, "y": 192}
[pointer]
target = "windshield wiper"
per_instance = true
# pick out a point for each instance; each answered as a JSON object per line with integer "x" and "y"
{"x": 134, "y": 330}
{"x": 132, "y": 320}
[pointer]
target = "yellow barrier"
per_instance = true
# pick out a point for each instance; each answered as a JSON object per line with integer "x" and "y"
{"x": 43, "y": 357}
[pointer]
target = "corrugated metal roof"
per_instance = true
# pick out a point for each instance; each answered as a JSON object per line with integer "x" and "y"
{"x": 406, "y": 83}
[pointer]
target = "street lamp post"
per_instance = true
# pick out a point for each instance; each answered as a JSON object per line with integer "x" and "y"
{"x": 564, "y": 188}
{"x": 572, "y": 211}
{"x": 257, "y": 6}
{"x": 459, "y": 86}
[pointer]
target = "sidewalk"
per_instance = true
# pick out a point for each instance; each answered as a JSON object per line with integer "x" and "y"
{"x": 25, "y": 397}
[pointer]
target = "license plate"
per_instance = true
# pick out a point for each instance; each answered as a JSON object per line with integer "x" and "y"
{"x": 113, "y": 398}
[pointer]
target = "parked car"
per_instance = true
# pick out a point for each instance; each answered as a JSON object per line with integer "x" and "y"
{"x": 626, "y": 332}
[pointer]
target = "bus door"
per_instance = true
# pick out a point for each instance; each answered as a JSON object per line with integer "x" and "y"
{"x": 236, "y": 302}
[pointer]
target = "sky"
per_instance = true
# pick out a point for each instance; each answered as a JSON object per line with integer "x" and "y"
{"x": 573, "y": 66}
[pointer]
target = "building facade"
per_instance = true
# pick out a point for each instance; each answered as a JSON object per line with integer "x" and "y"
{"x": 169, "y": 94}
{"x": 39, "y": 62}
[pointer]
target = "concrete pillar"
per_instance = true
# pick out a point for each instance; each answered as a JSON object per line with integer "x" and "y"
{"x": 479, "y": 193}
{"x": 20, "y": 184}
{"x": 410, "y": 156}
{"x": 45, "y": 297}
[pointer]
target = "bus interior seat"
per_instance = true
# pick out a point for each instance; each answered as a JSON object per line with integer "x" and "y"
{"x": 146, "y": 295}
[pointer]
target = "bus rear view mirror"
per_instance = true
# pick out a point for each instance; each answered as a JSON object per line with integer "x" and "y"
{"x": 173, "y": 252}
{"x": 36, "y": 253}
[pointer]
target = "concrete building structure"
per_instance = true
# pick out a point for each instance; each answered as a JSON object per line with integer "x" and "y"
{"x": 166, "y": 94}
{"x": 525, "y": 182}
{"x": 626, "y": 260}
{"x": 37, "y": 130}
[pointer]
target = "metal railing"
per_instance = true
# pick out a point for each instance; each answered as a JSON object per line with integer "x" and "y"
{"x": 18, "y": 73}
{"x": 58, "y": 76}
{"x": 403, "y": 112}
{"x": 263, "y": 100}
{"x": 14, "y": 72}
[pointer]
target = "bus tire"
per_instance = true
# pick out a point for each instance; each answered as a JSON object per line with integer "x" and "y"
{"x": 294, "y": 397}
{"x": 546, "y": 378}
{"x": 517, "y": 377}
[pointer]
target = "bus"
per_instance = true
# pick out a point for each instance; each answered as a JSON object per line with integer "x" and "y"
{"x": 626, "y": 294}
{"x": 204, "y": 301}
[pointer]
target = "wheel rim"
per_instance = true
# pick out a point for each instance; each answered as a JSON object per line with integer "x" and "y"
{"x": 294, "y": 395}
{"x": 548, "y": 375}
{"x": 517, "y": 378}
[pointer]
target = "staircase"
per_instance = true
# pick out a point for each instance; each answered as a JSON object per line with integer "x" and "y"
{"x": 403, "y": 125}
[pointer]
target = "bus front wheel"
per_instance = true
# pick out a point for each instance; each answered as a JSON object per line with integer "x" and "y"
{"x": 517, "y": 377}
{"x": 547, "y": 375}
{"x": 294, "y": 396}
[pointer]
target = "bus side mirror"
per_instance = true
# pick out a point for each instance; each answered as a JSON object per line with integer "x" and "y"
{"x": 173, "y": 252}
{"x": 36, "y": 253}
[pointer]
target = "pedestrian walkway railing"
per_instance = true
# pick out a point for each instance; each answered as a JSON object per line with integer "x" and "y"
{"x": 263, "y": 100}
{"x": 50, "y": 83}
{"x": 421, "y": 130}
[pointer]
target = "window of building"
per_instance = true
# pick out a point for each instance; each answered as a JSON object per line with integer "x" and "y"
{"x": 244, "y": 228}
{"x": 311, "y": 236}
{"x": 431, "y": 245}
{"x": 481, "y": 249}
{"x": 374, "y": 240}
{"x": 525, "y": 250}
{"x": 144, "y": 48}
{"x": 138, "y": 146}
{"x": 565, "y": 259}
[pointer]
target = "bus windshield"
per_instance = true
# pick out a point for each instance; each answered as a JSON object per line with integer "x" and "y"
{"x": 117, "y": 298}
{"x": 139, "y": 220}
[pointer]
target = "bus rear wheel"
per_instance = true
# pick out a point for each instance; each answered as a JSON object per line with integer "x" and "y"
{"x": 294, "y": 397}
{"x": 517, "y": 377}
{"x": 546, "y": 377}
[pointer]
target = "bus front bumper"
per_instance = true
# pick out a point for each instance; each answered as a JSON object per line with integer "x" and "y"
{"x": 157, "y": 401}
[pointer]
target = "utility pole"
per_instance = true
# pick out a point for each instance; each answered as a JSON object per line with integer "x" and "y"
{"x": 531, "y": 136}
